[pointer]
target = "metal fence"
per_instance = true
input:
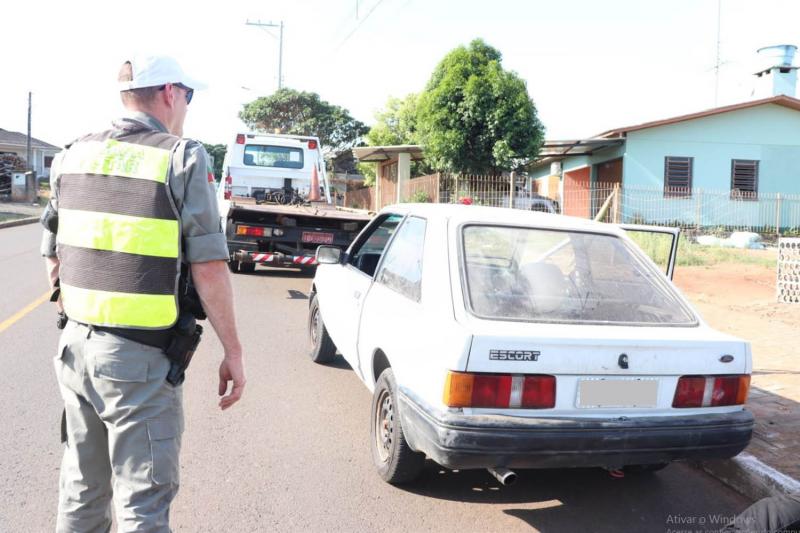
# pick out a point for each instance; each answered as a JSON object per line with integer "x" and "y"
{"x": 698, "y": 209}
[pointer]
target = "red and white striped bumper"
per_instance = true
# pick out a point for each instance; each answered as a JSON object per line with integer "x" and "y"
{"x": 282, "y": 259}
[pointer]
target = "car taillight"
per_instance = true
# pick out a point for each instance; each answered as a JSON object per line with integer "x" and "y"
{"x": 711, "y": 391}
{"x": 312, "y": 145}
{"x": 253, "y": 231}
{"x": 240, "y": 138}
{"x": 463, "y": 389}
{"x": 539, "y": 392}
{"x": 227, "y": 190}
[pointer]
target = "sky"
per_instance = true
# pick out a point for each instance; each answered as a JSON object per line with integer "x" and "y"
{"x": 589, "y": 65}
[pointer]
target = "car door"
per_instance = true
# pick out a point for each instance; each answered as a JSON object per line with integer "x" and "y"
{"x": 341, "y": 289}
{"x": 659, "y": 243}
{"x": 393, "y": 318}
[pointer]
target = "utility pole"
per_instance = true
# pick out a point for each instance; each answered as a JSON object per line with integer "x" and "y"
{"x": 263, "y": 26}
{"x": 717, "y": 64}
{"x": 28, "y": 156}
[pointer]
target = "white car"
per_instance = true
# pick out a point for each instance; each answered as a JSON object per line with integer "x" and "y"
{"x": 500, "y": 339}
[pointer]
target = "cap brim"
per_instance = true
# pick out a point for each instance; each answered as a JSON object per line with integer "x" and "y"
{"x": 194, "y": 84}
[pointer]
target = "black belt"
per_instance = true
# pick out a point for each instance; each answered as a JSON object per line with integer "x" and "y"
{"x": 157, "y": 338}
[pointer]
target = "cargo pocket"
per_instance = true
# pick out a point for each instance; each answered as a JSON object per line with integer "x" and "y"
{"x": 165, "y": 449}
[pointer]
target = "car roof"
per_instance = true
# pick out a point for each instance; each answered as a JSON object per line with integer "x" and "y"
{"x": 463, "y": 214}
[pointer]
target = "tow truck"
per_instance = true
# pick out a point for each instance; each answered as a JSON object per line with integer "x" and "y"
{"x": 276, "y": 203}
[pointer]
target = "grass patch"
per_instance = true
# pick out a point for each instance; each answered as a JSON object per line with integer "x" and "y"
{"x": 657, "y": 247}
{"x": 8, "y": 217}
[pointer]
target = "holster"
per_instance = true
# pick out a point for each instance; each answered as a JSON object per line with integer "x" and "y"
{"x": 185, "y": 337}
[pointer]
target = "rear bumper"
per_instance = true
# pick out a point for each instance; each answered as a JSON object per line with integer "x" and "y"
{"x": 476, "y": 441}
{"x": 274, "y": 258}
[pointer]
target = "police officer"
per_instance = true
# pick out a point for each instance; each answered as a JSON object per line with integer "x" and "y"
{"x": 132, "y": 220}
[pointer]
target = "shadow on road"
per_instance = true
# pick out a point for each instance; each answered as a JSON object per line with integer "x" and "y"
{"x": 587, "y": 499}
{"x": 339, "y": 363}
{"x": 281, "y": 273}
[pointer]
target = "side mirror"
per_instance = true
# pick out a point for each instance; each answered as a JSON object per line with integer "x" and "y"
{"x": 328, "y": 255}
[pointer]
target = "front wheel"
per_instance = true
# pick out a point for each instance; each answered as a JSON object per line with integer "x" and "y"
{"x": 396, "y": 461}
{"x": 322, "y": 348}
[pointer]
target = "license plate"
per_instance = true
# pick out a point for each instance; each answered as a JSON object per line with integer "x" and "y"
{"x": 632, "y": 392}
{"x": 317, "y": 238}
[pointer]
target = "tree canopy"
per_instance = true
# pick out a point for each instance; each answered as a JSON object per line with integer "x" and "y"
{"x": 304, "y": 113}
{"x": 474, "y": 116}
{"x": 217, "y": 152}
{"x": 396, "y": 123}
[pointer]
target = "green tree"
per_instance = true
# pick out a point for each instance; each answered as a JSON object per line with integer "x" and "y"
{"x": 217, "y": 152}
{"x": 396, "y": 123}
{"x": 476, "y": 117}
{"x": 304, "y": 113}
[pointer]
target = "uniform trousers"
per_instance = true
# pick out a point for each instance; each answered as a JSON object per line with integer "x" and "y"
{"x": 123, "y": 433}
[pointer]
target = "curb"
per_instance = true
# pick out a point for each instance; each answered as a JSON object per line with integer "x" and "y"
{"x": 18, "y": 222}
{"x": 749, "y": 476}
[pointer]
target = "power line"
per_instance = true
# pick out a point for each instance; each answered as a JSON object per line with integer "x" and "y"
{"x": 264, "y": 26}
{"x": 360, "y": 22}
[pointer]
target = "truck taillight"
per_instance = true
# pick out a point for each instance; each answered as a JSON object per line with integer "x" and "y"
{"x": 711, "y": 391}
{"x": 227, "y": 190}
{"x": 240, "y": 138}
{"x": 253, "y": 231}
{"x": 516, "y": 391}
{"x": 312, "y": 145}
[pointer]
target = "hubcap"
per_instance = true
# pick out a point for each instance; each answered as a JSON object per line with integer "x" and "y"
{"x": 314, "y": 326}
{"x": 384, "y": 425}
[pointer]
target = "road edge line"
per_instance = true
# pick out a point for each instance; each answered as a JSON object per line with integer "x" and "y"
{"x": 750, "y": 476}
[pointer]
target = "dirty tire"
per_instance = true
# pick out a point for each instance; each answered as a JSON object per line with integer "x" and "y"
{"x": 643, "y": 470}
{"x": 396, "y": 462}
{"x": 322, "y": 348}
{"x": 247, "y": 268}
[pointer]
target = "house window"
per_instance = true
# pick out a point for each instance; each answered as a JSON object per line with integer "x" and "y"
{"x": 48, "y": 161}
{"x": 744, "y": 179}
{"x": 678, "y": 176}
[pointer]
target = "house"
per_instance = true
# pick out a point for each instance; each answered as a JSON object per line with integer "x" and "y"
{"x": 718, "y": 167}
{"x": 12, "y": 142}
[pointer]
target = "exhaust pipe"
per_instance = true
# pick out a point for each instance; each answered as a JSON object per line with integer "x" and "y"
{"x": 505, "y": 476}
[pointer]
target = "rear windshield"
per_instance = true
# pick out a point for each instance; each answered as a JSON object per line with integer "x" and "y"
{"x": 568, "y": 277}
{"x": 261, "y": 155}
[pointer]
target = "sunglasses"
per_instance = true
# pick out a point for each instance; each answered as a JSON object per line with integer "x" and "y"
{"x": 189, "y": 91}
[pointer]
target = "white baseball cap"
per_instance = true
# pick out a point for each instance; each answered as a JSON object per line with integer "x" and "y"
{"x": 154, "y": 71}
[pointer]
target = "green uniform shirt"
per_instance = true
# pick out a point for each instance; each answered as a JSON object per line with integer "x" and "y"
{"x": 193, "y": 192}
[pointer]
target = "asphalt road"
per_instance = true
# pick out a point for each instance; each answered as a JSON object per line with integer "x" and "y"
{"x": 293, "y": 454}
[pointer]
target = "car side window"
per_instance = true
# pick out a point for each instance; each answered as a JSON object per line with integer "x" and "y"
{"x": 402, "y": 265}
{"x": 367, "y": 253}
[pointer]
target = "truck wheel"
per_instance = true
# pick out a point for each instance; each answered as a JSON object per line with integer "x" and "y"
{"x": 233, "y": 266}
{"x": 323, "y": 350}
{"x": 247, "y": 268}
{"x": 395, "y": 460}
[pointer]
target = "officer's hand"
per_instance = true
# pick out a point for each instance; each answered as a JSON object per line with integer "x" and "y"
{"x": 231, "y": 369}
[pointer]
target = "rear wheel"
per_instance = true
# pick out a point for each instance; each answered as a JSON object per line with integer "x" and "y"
{"x": 322, "y": 348}
{"x": 247, "y": 268}
{"x": 395, "y": 460}
{"x": 233, "y": 266}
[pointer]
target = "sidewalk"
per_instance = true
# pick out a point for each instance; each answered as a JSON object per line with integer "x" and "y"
{"x": 18, "y": 213}
{"x": 740, "y": 299}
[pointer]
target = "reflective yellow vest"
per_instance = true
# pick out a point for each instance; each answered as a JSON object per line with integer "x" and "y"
{"x": 119, "y": 234}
